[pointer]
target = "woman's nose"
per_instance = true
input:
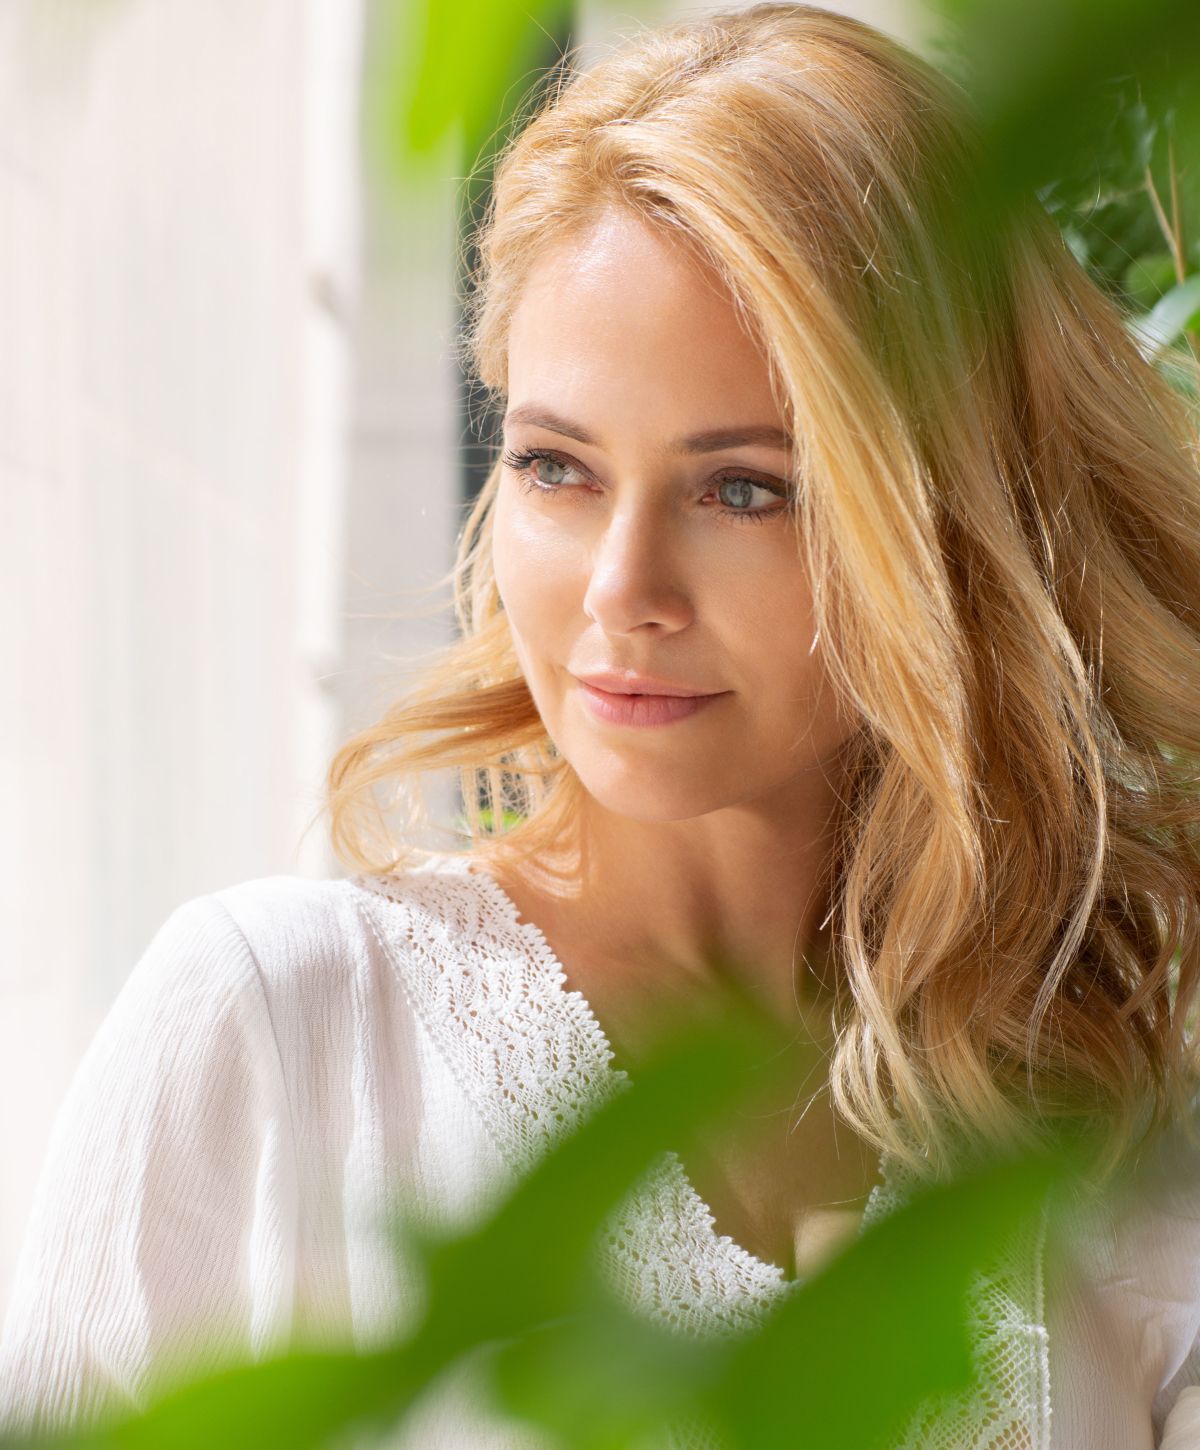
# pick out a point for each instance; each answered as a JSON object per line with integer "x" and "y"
{"x": 636, "y": 577}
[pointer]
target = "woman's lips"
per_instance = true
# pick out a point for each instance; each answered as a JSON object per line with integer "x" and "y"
{"x": 641, "y": 709}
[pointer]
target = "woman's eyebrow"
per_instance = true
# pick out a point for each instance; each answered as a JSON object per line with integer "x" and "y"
{"x": 711, "y": 440}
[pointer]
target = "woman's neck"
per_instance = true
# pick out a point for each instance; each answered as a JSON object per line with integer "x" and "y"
{"x": 634, "y": 900}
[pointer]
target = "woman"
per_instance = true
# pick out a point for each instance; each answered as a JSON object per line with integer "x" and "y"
{"x": 834, "y": 599}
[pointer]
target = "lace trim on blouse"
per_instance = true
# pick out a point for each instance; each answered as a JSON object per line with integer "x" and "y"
{"x": 533, "y": 1061}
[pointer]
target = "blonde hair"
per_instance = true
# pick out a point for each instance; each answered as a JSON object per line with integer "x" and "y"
{"x": 1000, "y": 514}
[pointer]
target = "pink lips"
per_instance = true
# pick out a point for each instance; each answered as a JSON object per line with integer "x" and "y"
{"x": 640, "y": 700}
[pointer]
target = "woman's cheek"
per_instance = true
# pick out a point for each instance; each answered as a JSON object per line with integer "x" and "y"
{"x": 541, "y": 576}
{"x": 541, "y": 563}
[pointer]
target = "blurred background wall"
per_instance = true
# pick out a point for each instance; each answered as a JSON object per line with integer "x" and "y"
{"x": 234, "y": 449}
{"x": 177, "y": 251}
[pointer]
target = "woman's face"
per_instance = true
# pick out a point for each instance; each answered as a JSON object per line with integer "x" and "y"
{"x": 648, "y": 541}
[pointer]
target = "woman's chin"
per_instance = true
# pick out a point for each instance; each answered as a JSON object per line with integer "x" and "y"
{"x": 645, "y": 796}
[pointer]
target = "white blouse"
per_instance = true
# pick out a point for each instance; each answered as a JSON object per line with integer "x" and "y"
{"x": 290, "y": 1058}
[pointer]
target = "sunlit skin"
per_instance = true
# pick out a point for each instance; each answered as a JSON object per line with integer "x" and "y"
{"x": 622, "y": 553}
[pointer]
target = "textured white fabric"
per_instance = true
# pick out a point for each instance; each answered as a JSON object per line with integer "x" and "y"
{"x": 289, "y": 1059}
{"x": 1184, "y": 1430}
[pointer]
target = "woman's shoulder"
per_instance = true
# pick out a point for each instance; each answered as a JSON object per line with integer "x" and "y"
{"x": 303, "y": 938}
{"x": 236, "y": 950}
{"x": 284, "y": 921}
{"x": 236, "y": 936}
{"x": 306, "y": 935}
{"x": 291, "y": 918}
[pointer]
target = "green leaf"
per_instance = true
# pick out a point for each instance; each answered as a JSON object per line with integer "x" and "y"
{"x": 531, "y": 1262}
{"x": 300, "y": 1400}
{"x": 1148, "y": 278}
{"x": 461, "y": 69}
{"x": 1174, "y": 313}
{"x": 605, "y": 1378}
{"x": 525, "y": 1287}
{"x": 895, "y": 1301}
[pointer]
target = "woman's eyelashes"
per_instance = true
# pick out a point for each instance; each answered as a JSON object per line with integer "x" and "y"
{"x": 738, "y": 495}
{"x": 522, "y": 464}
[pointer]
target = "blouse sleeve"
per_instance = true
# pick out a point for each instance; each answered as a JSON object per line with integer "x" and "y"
{"x": 162, "y": 1221}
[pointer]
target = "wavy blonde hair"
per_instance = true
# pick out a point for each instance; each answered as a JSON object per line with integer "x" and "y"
{"x": 999, "y": 508}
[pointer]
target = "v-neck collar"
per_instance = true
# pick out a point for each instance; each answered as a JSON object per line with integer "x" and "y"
{"x": 532, "y": 1059}
{"x": 576, "y": 1004}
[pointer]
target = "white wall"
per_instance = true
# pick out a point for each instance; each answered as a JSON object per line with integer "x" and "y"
{"x": 177, "y": 259}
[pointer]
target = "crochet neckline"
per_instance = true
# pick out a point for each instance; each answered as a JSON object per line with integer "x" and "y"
{"x": 768, "y": 1278}
{"x": 543, "y": 954}
{"x": 532, "y": 1058}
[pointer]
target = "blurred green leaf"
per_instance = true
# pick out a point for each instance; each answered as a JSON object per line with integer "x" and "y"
{"x": 302, "y": 1401}
{"x": 1174, "y": 313}
{"x": 1074, "y": 99}
{"x": 527, "y": 1287}
{"x": 604, "y": 1379}
{"x": 1148, "y": 278}
{"x": 895, "y": 1300}
{"x": 1041, "y": 75}
{"x": 461, "y": 70}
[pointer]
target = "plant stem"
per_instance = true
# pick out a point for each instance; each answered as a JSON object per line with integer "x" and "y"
{"x": 1176, "y": 211}
{"x": 1170, "y": 232}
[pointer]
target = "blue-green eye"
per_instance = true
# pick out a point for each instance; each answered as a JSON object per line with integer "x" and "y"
{"x": 522, "y": 465}
{"x": 750, "y": 499}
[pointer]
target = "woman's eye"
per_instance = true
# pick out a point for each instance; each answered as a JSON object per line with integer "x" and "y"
{"x": 738, "y": 495}
{"x": 539, "y": 469}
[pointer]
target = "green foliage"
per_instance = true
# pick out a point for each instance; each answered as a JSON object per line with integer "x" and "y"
{"x": 1092, "y": 105}
{"x": 460, "y": 70}
{"x": 1131, "y": 214}
{"x": 1103, "y": 203}
{"x": 1041, "y": 76}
